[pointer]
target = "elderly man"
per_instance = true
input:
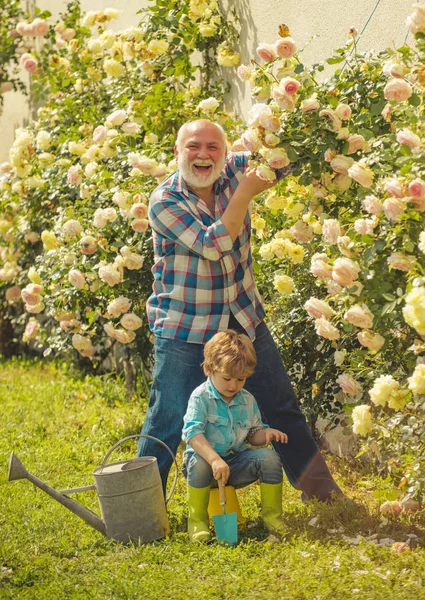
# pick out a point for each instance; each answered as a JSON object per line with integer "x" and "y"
{"x": 204, "y": 283}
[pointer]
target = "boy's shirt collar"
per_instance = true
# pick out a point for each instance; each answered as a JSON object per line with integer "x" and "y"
{"x": 238, "y": 399}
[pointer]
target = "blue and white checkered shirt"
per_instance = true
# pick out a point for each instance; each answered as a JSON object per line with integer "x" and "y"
{"x": 225, "y": 425}
{"x": 200, "y": 276}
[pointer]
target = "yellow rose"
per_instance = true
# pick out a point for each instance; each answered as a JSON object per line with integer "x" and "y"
{"x": 113, "y": 68}
{"x": 417, "y": 380}
{"x": 362, "y": 419}
{"x": 414, "y": 311}
{"x": 283, "y": 284}
{"x": 158, "y": 47}
{"x": 49, "y": 240}
{"x": 34, "y": 276}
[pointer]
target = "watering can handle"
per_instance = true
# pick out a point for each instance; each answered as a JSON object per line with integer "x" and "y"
{"x": 149, "y": 437}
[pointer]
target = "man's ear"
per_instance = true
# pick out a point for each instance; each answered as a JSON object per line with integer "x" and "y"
{"x": 176, "y": 152}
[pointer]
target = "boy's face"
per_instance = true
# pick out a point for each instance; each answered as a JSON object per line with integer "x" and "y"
{"x": 226, "y": 385}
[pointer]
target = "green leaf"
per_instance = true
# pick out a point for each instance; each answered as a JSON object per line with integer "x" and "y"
{"x": 414, "y": 100}
{"x": 335, "y": 60}
{"x": 389, "y": 297}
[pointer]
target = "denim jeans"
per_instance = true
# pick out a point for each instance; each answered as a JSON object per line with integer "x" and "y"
{"x": 245, "y": 467}
{"x": 177, "y": 372}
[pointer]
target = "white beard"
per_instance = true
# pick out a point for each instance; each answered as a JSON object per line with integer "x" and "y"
{"x": 196, "y": 180}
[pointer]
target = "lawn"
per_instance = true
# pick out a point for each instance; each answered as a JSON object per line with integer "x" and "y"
{"x": 61, "y": 424}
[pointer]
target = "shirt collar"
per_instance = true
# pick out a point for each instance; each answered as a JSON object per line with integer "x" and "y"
{"x": 238, "y": 399}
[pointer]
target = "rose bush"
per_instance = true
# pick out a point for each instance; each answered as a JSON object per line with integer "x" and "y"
{"x": 351, "y": 326}
{"x": 74, "y": 194}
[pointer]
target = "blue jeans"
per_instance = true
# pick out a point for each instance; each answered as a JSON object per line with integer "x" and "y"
{"x": 245, "y": 467}
{"x": 177, "y": 372}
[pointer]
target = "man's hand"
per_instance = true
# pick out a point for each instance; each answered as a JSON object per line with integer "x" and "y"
{"x": 276, "y": 435}
{"x": 252, "y": 185}
{"x": 220, "y": 470}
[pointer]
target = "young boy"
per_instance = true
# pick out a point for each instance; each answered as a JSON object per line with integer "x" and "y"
{"x": 221, "y": 424}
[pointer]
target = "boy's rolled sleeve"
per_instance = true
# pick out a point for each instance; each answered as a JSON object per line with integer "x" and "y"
{"x": 195, "y": 419}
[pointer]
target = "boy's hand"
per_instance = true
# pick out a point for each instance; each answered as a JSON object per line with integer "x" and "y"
{"x": 276, "y": 435}
{"x": 220, "y": 470}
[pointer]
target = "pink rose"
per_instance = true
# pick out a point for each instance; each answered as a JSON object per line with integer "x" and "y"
{"x": 68, "y": 34}
{"x": 310, "y": 105}
{"x": 140, "y": 225}
{"x": 251, "y": 141}
{"x": 364, "y": 226}
{"x": 283, "y": 100}
{"x": 372, "y": 205}
{"x": 13, "y": 294}
{"x": 99, "y": 134}
{"x": 118, "y": 306}
{"x": 356, "y": 142}
{"x": 343, "y": 111}
{"x": 373, "y": 341}
{"x": 77, "y": 279}
{"x": 285, "y": 47}
{"x": 302, "y": 232}
{"x": 360, "y": 316}
{"x": 31, "y": 329}
{"x": 34, "y": 309}
{"x": 131, "y": 321}
{"x": 408, "y": 138}
{"x": 138, "y": 211}
{"x": 289, "y": 85}
{"x": 417, "y": 188}
{"x": 341, "y": 163}
{"x": 88, "y": 245}
{"x": 349, "y": 385}
{"x": 29, "y": 63}
{"x": 243, "y": 73}
{"x": 266, "y": 52}
{"x": 116, "y": 118}
{"x": 319, "y": 268}
{"x": 72, "y": 227}
{"x": 75, "y": 175}
{"x": 277, "y": 158}
{"x": 393, "y": 208}
{"x": 316, "y": 309}
{"x": 401, "y": 262}
{"x": 331, "y": 230}
{"x": 326, "y": 330}
{"x": 124, "y": 337}
{"x": 345, "y": 272}
{"x": 394, "y": 187}
{"x": 333, "y": 118}
{"x": 39, "y": 27}
{"x": 362, "y": 174}
{"x": 397, "y": 90}
{"x": 110, "y": 275}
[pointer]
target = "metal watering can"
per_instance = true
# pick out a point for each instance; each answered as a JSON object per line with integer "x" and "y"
{"x": 130, "y": 496}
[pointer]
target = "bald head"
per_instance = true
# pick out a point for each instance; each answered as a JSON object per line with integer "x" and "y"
{"x": 201, "y": 153}
{"x": 198, "y": 125}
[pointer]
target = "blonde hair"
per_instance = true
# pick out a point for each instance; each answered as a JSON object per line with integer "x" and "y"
{"x": 231, "y": 353}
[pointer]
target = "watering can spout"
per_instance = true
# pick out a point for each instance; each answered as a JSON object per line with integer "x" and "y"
{"x": 18, "y": 471}
{"x": 16, "y": 468}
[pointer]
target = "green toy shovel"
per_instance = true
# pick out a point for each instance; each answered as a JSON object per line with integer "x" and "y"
{"x": 225, "y": 525}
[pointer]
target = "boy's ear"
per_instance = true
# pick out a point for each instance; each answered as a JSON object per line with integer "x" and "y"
{"x": 207, "y": 372}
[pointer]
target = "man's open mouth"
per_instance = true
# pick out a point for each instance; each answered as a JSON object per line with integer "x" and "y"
{"x": 201, "y": 168}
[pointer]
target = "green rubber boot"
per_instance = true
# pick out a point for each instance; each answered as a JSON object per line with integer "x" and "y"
{"x": 271, "y": 508}
{"x": 198, "y": 524}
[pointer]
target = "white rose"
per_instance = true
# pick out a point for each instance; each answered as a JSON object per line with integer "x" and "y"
{"x": 131, "y": 321}
{"x": 119, "y": 306}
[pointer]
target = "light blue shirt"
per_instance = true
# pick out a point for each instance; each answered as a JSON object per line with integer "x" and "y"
{"x": 225, "y": 425}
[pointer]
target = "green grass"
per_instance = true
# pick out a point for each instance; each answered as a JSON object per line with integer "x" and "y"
{"x": 61, "y": 425}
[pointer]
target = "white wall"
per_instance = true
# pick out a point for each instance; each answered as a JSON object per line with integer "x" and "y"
{"x": 326, "y": 22}
{"x": 322, "y": 25}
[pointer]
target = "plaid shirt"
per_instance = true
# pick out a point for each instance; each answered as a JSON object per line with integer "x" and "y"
{"x": 199, "y": 274}
{"x": 225, "y": 425}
